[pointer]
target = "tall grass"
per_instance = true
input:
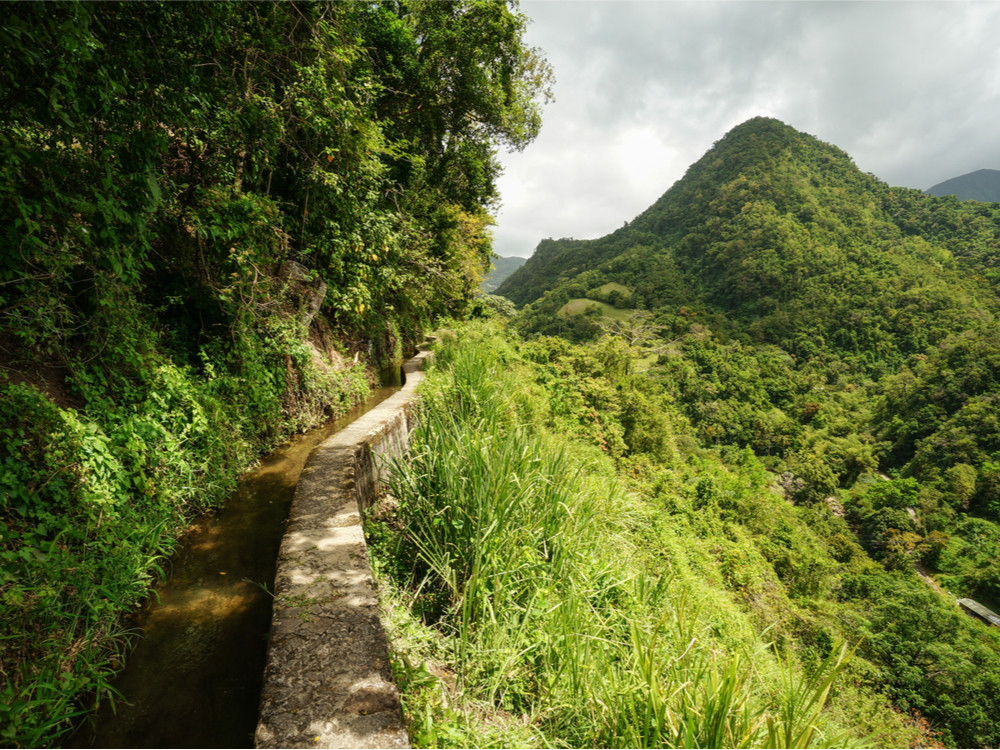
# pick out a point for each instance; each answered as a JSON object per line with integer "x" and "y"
{"x": 534, "y": 568}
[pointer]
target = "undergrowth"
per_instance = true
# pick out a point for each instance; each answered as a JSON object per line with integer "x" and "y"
{"x": 94, "y": 496}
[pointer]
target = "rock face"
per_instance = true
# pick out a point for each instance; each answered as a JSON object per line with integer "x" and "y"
{"x": 306, "y": 293}
{"x": 328, "y": 681}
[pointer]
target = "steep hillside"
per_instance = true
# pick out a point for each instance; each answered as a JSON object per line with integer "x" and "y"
{"x": 780, "y": 274}
{"x": 652, "y": 607}
{"x": 981, "y": 185}
{"x": 845, "y": 332}
{"x": 216, "y": 223}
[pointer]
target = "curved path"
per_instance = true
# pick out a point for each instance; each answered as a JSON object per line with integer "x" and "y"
{"x": 328, "y": 682}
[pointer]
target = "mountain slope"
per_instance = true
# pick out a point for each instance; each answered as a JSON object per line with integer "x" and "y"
{"x": 796, "y": 308}
{"x": 503, "y": 267}
{"x": 781, "y": 239}
{"x": 981, "y": 185}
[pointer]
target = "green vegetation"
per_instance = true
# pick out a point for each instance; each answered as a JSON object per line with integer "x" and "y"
{"x": 217, "y": 220}
{"x": 702, "y": 527}
{"x": 845, "y": 332}
{"x": 582, "y": 305}
{"x": 773, "y": 237}
{"x": 565, "y": 574}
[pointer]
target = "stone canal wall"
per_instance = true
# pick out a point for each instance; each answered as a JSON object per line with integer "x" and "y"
{"x": 328, "y": 682}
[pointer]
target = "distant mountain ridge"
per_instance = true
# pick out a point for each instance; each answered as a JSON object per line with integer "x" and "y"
{"x": 503, "y": 267}
{"x": 981, "y": 185}
{"x": 779, "y": 238}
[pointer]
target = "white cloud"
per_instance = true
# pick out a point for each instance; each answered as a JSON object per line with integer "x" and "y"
{"x": 910, "y": 90}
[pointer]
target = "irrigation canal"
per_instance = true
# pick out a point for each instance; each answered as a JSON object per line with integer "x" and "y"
{"x": 194, "y": 677}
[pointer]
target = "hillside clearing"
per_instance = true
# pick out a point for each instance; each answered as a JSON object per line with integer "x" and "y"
{"x": 579, "y": 305}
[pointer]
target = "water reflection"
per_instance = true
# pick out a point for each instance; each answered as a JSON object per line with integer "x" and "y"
{"x": 195, "y": 675}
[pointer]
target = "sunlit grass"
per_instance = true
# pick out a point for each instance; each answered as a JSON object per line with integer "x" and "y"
{"x": 580, "y": 304}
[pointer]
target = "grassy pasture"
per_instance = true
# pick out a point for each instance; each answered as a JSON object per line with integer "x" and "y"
{"x": 614, "y": 286}
{"x": 578, "y": 305}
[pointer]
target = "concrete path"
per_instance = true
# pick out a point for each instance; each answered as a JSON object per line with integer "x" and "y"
{"x": 328, "y": 682}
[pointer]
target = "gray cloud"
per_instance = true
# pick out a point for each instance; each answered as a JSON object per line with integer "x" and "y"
{"x": 910, "y": 90}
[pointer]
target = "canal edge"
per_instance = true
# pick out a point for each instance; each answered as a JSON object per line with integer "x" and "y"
{"x": 327, "y": 680}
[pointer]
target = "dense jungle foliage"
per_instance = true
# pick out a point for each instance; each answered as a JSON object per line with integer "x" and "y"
{"x": 216, "y": 220}
{"x": 845, "y": 332}
{"x": 219, "y": 218}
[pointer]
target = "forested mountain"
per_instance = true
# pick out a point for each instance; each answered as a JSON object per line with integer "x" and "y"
{"x": 981, "y": 185}
{"x": 217, "y": 222}
{"x": 846, "y": 332}
{"x": 502, "y": 268}
{"x": 793, "y": 245}
{"x": 775, "y": 246}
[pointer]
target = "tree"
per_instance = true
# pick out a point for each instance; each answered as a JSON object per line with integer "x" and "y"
{"x": 459, "y": 83}
{"x": 961, "y": 484}
{"x": 638, "y": 329}
{"x": 818, "y": 479}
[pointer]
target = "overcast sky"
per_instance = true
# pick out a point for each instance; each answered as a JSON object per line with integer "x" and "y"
{"x": 911, "y": 90}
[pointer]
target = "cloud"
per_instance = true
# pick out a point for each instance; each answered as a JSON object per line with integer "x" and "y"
{"x": 910, "y": 90}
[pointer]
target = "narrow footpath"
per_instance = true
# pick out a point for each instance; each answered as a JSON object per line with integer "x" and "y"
{"x": 328, "y": 681}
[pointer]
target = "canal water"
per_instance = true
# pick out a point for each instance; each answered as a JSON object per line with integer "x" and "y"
{"x": 194, "y": 677}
